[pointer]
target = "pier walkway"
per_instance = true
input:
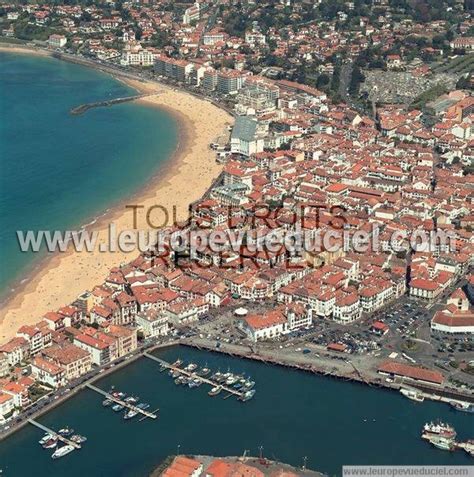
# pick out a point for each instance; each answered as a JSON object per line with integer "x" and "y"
{"x": 192, "y": 374}
{"x": 55, "y": 434}
{"x": 132, "y": 407}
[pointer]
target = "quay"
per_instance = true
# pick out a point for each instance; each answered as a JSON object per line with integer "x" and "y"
{"x": 189, "y": 374}
{"x": 109, "y": 102}
{"x": 145, "y": 413}
{"x": 55, "y": 434}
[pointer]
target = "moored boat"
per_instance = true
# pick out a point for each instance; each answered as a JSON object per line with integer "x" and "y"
{"x": 107, "y": 402}
{"x": 191, "y": 367}
{"x": 132, "y": 399}
{"x": 443, "y": 444}
{"x": 117, "y": 407}
{"x": 215, "y": 391}
{"x": 62, "y": 451}
{"x": 204, "y": 371}
{"x": 439, "y": 429}
{"x": 130, "y": 414}
{"x": 412, "y": 394}
{"x": 66, "y": 431}
{"x": 177, "y": 363}
{"x": 463, "y": 406}
{"x": 78, "y": 439}
{"x": 247, "y": 395}
{"x": 45, "y": 438}
{"x": 50, "y": 443}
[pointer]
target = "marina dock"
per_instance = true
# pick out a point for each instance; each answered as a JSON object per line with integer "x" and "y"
{"x": 190, "y": 374}
{"x": 123, "y": 403}
{"x": 61, "y": 438}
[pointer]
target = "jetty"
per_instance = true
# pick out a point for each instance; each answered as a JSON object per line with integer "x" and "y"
{"x": 67, "y": 441}
{"x": 123, "y": 403}
{"x": 109, "y": 102}
{"x": 191, "y": 374}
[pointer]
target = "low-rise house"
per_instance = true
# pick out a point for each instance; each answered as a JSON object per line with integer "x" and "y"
{"x": 38, "y": 336}
{"x": 16, "y": 350}
{"x": 47, "y": 372}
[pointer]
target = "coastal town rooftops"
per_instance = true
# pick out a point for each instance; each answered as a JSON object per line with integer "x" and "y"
{"x": 182, "y": 467}
{"x": 271, "y": 318}
{"x": 412, "y": 372}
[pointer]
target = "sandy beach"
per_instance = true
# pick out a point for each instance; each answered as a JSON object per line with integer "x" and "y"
{"x": 63, "y": 276}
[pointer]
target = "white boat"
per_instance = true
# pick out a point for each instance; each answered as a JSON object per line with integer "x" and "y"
{"x": 51, "y": 443}
{"x": 78, "y": 439}
{"x": 191, "y": 367}
{"x": 66, "y": 432}
{"x": 247, "y": 395}
{"x": 215, "y": 391}
{"x": 62, "y": 451}
{"x": 130, "y": 414}
{"x": 412, "y": 394}
{"x": 45, "y": 438}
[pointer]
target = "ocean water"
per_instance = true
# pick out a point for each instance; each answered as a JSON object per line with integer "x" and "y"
{"x": 58, "y": 171}
{"x": 293, "y": 414}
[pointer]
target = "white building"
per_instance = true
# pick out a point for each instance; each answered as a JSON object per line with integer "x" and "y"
{"x": 244, "y": 139}
{"x": 7, "y": 405}
{"x": 457, "y": 323}
{"x": 57, "y": 41}
{"x": 137, "y": 58}
{"x": 48, "y": 373}
{"x": 152, "y": 323}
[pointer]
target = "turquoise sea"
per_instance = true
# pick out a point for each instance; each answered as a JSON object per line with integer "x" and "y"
{"x": 59, "y": 171}
{"x": 293, "y": 415}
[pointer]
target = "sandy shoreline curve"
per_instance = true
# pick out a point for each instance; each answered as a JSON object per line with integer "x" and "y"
{"x": 61, "y": 277}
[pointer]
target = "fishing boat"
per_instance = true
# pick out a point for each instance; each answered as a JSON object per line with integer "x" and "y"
{"x": 62, "y": 451}
{"x": 107, "y": 402}
{"x": 215, "y": 391}
{"x": 78, "y": 438}
{"x": 247, "y": 395}
{"x": 463, "y": 406}
{"x": 412, "y": 394}
{"x": 130, "y": 414}
{"x": 438, "y": 429}
{"x": 50, "y": 443}
{"x": 66, "y": 431}
{"x": 117, "y": 407}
